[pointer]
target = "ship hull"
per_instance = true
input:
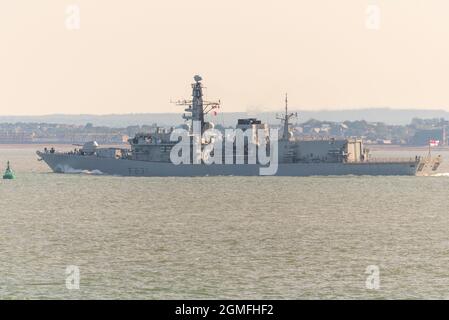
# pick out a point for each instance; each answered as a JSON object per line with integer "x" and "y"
{"x": 64, "y": 163}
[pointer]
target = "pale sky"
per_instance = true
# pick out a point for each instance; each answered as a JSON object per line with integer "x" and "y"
{"x": 136, "y": 55}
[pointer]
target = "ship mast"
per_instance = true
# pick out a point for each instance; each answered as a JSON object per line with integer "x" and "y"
{"x": 285, "y": 120}
{"x": 197, "y": 108}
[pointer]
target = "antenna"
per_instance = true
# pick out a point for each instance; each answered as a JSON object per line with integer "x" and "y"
{"x": 285, "y": 119}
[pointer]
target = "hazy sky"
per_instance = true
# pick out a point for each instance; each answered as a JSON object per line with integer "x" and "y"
{"x": 136, "y": 55}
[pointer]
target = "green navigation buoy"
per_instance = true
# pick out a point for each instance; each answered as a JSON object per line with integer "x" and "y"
{"x": 9, "y": 174}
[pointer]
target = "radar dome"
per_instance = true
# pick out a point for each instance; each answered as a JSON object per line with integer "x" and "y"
{"x": 208, "y": 125}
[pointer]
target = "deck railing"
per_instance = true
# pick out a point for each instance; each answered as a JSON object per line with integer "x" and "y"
{"x": 393, "y": 160}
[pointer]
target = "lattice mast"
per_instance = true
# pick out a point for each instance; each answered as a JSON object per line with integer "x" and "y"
{"x": 285, "y": 118}
{"x": 197, "y": 107}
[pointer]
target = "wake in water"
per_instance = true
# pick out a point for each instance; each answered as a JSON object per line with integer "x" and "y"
{"x": 443, "y": 174}
{"x": 70, "y": 170}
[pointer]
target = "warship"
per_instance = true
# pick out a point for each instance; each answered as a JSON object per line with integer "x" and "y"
{"x": 151, "y": 154}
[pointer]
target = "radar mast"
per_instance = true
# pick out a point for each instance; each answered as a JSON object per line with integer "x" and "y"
{"x": 197, "y": 108}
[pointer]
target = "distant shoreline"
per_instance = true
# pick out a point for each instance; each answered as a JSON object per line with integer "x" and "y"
{"x": 372, "y": 147}
{"x": 392, "y": 116}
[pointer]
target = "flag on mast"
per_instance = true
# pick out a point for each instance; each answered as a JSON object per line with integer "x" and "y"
{"x": 434, "y": 143}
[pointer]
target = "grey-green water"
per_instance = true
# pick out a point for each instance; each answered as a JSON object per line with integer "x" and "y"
{"x": 225, "y": 237}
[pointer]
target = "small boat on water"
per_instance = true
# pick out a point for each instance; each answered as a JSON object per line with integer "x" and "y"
{"x": 9, "y": 174}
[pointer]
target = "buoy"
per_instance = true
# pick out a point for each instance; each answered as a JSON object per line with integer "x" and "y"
{"x": 9, "y": 174}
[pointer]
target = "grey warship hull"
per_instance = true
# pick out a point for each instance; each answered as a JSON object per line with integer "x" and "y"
{"x": 63, "y": 163}
{"x": 157, "y": 154}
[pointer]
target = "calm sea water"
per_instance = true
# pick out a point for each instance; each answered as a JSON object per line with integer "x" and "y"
{"x": 224, "y": 237}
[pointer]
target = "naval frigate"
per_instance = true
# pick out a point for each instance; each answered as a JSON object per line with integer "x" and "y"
{"x": 150, "y": 154}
